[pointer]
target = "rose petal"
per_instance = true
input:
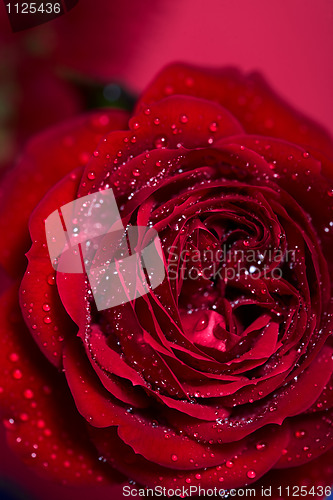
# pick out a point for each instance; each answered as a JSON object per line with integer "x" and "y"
{"x": 46, "y": 159}
{"x": 248, "y": 97}
{"x": 42, "y": 424}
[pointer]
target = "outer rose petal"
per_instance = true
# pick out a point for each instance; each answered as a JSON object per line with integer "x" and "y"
{"x": 233, "y": 474}
{"x": 41, "y": 305}
{"x": 47, "y": 158}
{"x": 34, "y": 397}
{"x": 149, "y": 440}
{"x": 311, "y": 436}
{"x": 318, "y": 473}
{"x": 248, "y": 97}
{"x": 174, "y": 121}
{"x": 293, "y": 399}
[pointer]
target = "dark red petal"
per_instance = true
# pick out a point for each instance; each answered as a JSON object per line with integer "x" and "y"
{"x": 41, "y": 306}
{"x": 300, "y": 173}
{"x": 248, "y": 97}
{"x": 162, "y": 127}
{"x": 316, "y": 477}
{"x": 249, "y": 465}
{"x": 43, "y": 426}
{"x": 46, "y": 159}
{"x": 154, "y": 441}
{"x": 310, "y": 437}
{"x": 291, "y": 400}
{"x": 93, "y": 402}
{"x": 325, "y": 399}
{"x": 161, "y": 445}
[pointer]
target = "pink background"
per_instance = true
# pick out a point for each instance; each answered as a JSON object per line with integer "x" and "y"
{"x": 290, "y": 41}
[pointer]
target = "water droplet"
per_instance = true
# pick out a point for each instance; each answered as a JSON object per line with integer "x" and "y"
{"x": 160, "y": 142}
{"x": 14, "y": 357}
{"x": 91, "y": 175}
{"x": 260, "y": 446}
{"x": 202, "y": 324}
{"x": 251, "y": 474}
{"x": 40, "y": 424}
{"x": 9, "y": 424}
{"x": 96, "y": 154}
{"x": 157, "y": 121}
{"x": 28, "y": 394}
{"x": 213, "y": 127}
{"x": 47, "y": 320}
{"x": 183, "y": 119}
{"x": 229, "y": 464}
{"x": 136, "y": 172}
{"x": 17, "y": 374}
{"x": 299, "y": 434}
{"x": 174, "y": 458}
{"x": 51, "y": 279}
{"x": 46, "y": 307}
{"x": 306, "y": 154}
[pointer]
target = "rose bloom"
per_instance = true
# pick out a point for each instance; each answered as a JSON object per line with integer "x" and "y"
{"x": 219, "y": 378}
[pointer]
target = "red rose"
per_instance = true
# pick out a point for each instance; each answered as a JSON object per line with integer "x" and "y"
{"x": 223, "y": 372}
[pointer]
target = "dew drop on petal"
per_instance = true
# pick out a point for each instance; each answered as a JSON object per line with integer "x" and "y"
{"x": 51, "y": 279}
{"x": 17, "y": 374}
{"x": 213, "y": 127}
{"x": 46, "y": 307}
{"x": 28, "y": 394}
{"x": 174, "y": 458}
{"x": 160, "y": 142}
{"x": 202, "y": 323}
{"x": 251, "y": 474}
